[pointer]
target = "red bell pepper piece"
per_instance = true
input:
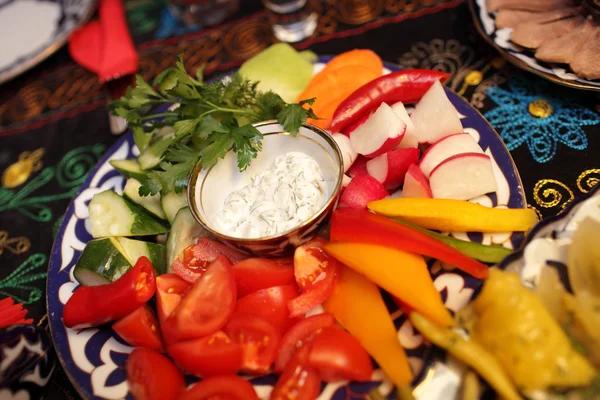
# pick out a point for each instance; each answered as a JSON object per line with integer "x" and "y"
{"x": 357, "y": 225}
{"x": 407, "y": 86}
{"x": 97, "y": 305}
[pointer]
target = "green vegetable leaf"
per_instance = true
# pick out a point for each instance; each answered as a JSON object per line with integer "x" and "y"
{"x": 270, "y": 104}
{"x": 292, "y": 116}
{"x": 143, "y": 87}
{"x": 216, "y": 150}
{"x": 247, "y": 142}
{"x": 185, "y": 127}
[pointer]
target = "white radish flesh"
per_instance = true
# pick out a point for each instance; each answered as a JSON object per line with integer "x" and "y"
{"x": 390, "y": 168}
{"x": 348, "y": 153}
{"x": 463, "y": 177}
{"x": 410, "y": 139}
{"x": 381, "y": 132}
{"x": 447, "y": 147}
{"x": 416, "y": 184}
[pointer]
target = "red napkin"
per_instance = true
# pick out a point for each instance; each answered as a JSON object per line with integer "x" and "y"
{"x": 105, "y": 46}
{"x": 12, "y": 314}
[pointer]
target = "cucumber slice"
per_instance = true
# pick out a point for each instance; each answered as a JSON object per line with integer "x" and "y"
{"x": 154, "y": 153}
{"x": 112, "y": 215}
{"x": 149, "y": 203}
{"x": 134, "y": 249}
{"x": 184, "y": 231}
{"x": 100, "y": 262}
{"x": 173, "y": 202}
{"x": 129, "y": 169}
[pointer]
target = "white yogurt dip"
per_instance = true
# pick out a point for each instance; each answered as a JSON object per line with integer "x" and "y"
{"x": 277, "y": 200}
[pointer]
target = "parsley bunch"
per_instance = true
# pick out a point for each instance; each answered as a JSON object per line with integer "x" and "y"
{"x": 211, "y": 119}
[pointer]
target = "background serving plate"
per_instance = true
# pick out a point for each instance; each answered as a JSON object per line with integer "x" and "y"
{"x": 500, "y": 39}
{"x": 54, "y": 21}
{"x": 94, "y": 358}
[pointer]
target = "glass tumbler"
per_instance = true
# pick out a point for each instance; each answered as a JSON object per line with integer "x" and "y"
{"x": 203, "y": 12}
{"x": 292, "y": 20}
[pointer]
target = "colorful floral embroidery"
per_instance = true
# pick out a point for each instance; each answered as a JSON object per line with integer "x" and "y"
{"x": 528, "y": 114}
{"x": 19, "y": 280}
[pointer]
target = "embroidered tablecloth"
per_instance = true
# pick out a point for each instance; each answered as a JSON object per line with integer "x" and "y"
{"x": 54, "y": 126}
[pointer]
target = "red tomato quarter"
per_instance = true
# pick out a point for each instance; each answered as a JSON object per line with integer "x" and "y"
{"x": 316, "y": 274}
{"x": 207, "y": 306}
{"x": 298, "y": 381}
{"x": 259, "y": 339}
{"x": 260, "y": 273}
{"x": 337, "y": 355}
{"x": 170, "y": 289}
{"x": 152, "y": 376}
{"x": 140, "y": 329}
{"x": 224, "y": 387}
{"x": 271, "y": 304}
{"x": 208, "y": 356}
{"x": 298, "y": 334}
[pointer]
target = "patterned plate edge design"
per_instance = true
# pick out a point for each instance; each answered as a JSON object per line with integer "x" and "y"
{"x": 579, "y": 84}
{"x": 101, "y": 346}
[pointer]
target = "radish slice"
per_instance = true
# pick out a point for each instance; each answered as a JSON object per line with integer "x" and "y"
{"x": 435, "y": 116}
{"x": 345, "y": 180}
{"x": 410, "y": 139}
{"x": 416, "y": 184}
{"x": 359, "y": 166}
{"x": 348, "y": 153}
{"x": 447, "y": 147}
{"x": 463, "y": 177}
{"x": 390, "y": 168}
{"x": 361, "y": 190}
{"x": 350, "y": 128}
{"x": 380, "y": 133}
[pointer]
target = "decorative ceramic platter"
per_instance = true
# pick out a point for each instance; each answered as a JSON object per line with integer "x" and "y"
{"x": 54, "y": 20}
{"x": 94, "y": 358}
{"x": 500, "y": 38}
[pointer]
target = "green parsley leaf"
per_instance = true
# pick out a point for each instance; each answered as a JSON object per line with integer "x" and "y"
{"x": 291, "y": 117}
{"x": 216, "y": 150}
{"x": 247, "y": 142}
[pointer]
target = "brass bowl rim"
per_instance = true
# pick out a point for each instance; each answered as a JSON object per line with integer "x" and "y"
{"x": 191, "y": 190}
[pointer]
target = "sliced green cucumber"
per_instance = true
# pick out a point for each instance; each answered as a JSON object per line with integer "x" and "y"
{"x": 113, "y": 215}
{"x": 155, "y": 151}
{"x": 134, "y": 249}
{"x": 149, "y": 203}
{"x": 129, "y": 169}
{"x": 184, "y": 231}
{"x": 100, "y": 262}
{"x": 173, "y": 202}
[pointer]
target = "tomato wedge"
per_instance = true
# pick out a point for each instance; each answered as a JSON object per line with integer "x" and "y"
{"x": 316, "y": 274}
{"x": 298, "y": 381}
{"x": 207, "y": 306}
{"x": 298, "y": 334}
{"x": 260, "y": 273}
{"x": 170, "y": 289}
{"x": 208, "y": 356}
{"x": 271, "y": 304}
{"x": 140, "y": 329}
{"x": 259, "y": 339}
{"x": 225, "y": 387}
{"x": 337, "y": 355}
{"x": 152, "y": 376}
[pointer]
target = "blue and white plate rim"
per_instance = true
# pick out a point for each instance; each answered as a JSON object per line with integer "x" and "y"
{"x": 60, "y": 279}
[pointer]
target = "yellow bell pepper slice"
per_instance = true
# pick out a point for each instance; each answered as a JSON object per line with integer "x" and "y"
{"x": 456, "y": 215}
{"x": 357, "y": 305}
{"x": 404, "y": 275}
{"x": 469, "y": 352}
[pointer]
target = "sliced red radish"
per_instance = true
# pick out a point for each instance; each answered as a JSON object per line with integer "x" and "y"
{"x": 350, "y": 128}
{"x": 359, "y": 166}
{"x": 361, "y": 190}
{"x": 416, "y": 183}
{"x": 463, "y": 177}
{"x": 380, "y": 133}
{"x": 435, "y": 116}
{"x": 410, "y": 136}
{"x": 390, "y": 168}
{"x": 447, "y": 147}
{"x": 345, "y": 180}
{"x": 348, "y": 153}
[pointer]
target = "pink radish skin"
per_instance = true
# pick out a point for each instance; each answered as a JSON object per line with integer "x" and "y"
{"x": 447, "y": 147}
{"x": 435, "y": 116}
{"x": 348, "y": 153}
{"x": 463, "y": 177}
{"x": 361, "y": 190}
{"x": 410, "y": 139}
{"x": 345, "y": 180}
{"x": 391, "y": 167}
{"x": 359, "y": 166}
{"x": 350, "y": 128}
{"x": 416, "y": 184}
{"x": 380, "y": 133}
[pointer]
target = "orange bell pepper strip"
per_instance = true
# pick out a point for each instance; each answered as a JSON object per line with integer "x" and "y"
{"x": 356, "y": 225}
{"x": 356, "y": 303}
{"x": 456, "y": 215}
{"x": 402, "y": 274}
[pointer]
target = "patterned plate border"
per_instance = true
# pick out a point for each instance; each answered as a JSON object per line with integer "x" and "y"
{"x": 94, "y": 358}
{"x": 519, "y": 58}
{"x": 74, "y": 13}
